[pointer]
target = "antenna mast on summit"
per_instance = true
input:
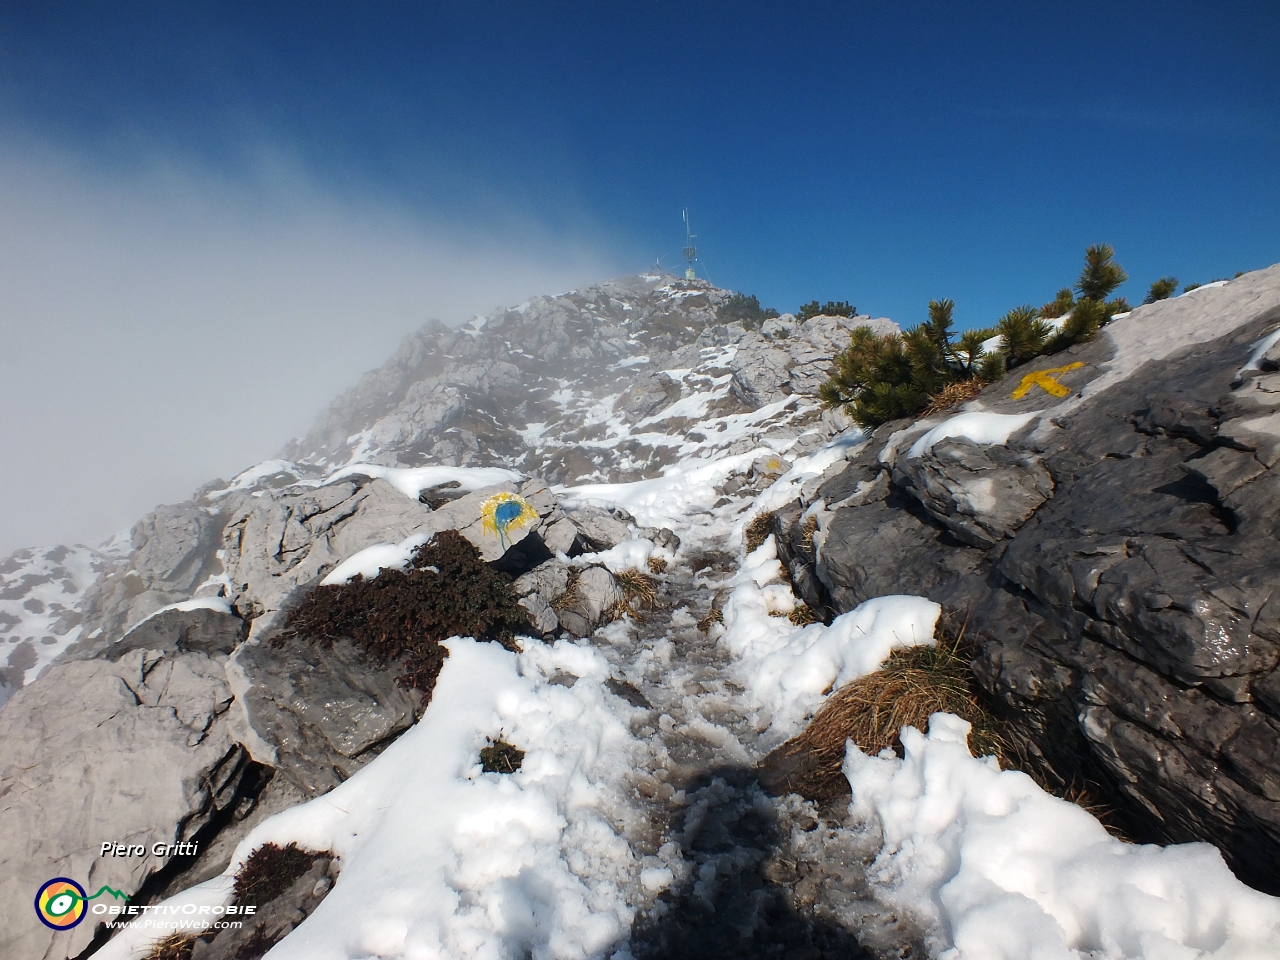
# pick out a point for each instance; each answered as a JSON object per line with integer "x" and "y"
{"x": 690, "y": 251}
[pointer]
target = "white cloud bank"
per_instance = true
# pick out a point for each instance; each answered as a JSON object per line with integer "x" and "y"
{"x": 163, "y": 327}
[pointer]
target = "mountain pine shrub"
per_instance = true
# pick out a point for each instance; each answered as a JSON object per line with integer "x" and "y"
{"x": 1162, "y": 289}
{"x": 832, "y": 308}
{"x": 1083, "y": 324}
{"x": 746, "y": 310}
{"x": 1059, "y": 305}
{"x": 1024, "y": 334}
{"x": 403, "y": 615}
{"x": 882, "y": 378}
{"x": 1101, "y": 274}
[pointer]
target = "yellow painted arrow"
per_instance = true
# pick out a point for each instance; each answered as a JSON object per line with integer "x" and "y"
{"x": 1046, "y": 381}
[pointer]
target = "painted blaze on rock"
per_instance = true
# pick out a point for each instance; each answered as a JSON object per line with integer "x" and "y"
{"x": 505, "y": 513}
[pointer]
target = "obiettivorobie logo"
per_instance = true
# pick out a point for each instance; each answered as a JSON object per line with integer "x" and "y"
{"x": 61, "y": 903}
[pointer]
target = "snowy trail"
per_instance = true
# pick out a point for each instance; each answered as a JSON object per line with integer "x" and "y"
{"x": 637, "y": 828}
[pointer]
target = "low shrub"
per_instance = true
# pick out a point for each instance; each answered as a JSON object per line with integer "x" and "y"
{"x": 832, "y": 308}
{"x": 746, "y": 310}
{"x": 1059, "y": 305}
{"x": 1101, "y": 274}
{"x": 403, "y": 615}
{"x": 1162, "y": 289}
{"x": 1024, "y": 334}
{"x": 1192, "y": 286}
{"x": 1081, "y": 326}
{"x": 269, "y": 871}
{"x": 656, "y": 565}
{"x": 501, "y": 757}
{"x": 882, "y": 378}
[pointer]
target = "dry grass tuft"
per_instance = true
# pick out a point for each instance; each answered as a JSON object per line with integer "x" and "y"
{"x": 758, "y": 530}
{"x": 715, "y": 616}
{"x": 871, "y": 711}
{"x": 803, "y": 615}
{"x": 657, "y": 565}
{"x": 807, "y": 531}
{"x": 176, "y": 946}
{"x": 621, "y": 609}
{"x": 570, "y": 591}
{"x": 954, "y": 393}
{"x": 638, "y": 587}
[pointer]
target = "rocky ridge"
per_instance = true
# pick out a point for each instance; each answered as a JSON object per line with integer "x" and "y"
{"x": 166, "y": 644}
{"x": 1117, "y": 556}
{"x": 1115, "y": 553}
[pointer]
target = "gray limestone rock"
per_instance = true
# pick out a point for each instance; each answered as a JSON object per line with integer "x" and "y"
{"x": 1119, "y": 578}
{"x": 560, "y": 536}
{"x": 325, "y": 710}
{"x": 550, "y": 579}
{"x": 982, "y": 494}
{"x": 141, "y": 753}
{"x": 174, "y": 550}
{"x": 177, "y": 631}
{"x": 593, "y": 596}
{"x": 599, "y": 529}
{"x": 541, "y": 613}
{"x": 282, "y": 541}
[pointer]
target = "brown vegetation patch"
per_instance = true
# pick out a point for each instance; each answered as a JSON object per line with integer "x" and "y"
{"x": 657, "y": 565}
{"x": 803, "y": 615}
{"x": 570, "y": 594}
{"x": 715, "y": 616}
{"x": 501, "y": 757}
{"x": 638, "y": 587}
{"x": 807, "y": 531}
{"x": 871, "y": 711}
{"x": 403, "y": 615}
{"x": 758, "y": 531}
{"x": 962, "y": 391}
{"x": 176, "y": 946}
{"x": 269, "y": 871}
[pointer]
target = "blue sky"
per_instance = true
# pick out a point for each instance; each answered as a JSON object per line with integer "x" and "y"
{"x": 189, "y": 190}
{"x": 884, "y": 153}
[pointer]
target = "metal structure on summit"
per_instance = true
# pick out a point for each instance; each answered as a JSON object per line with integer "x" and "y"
{"x": 690, "y": 251}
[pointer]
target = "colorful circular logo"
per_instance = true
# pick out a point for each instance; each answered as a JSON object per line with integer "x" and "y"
{"x": 60, "y": 904}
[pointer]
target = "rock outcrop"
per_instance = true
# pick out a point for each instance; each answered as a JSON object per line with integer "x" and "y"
{"x": 1119, "y": 559}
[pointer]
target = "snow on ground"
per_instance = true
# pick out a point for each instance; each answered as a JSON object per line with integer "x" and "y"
{"x": 1154, "y": 331}
{"x": 980, "y": 427}
{"x": 439, "y": 859}
{"x": 220, "y": 604}
{"x": 665, "y": 501}
{"x": 789, "y": 669}
{"x": 1259, "y": 349}
{"x": 381, "y": 556}
{"x": 39, "y": 593}
{"x": 997, "y": 869}
{"x": 267, "y": 470}
{"x": 411, "y": 481}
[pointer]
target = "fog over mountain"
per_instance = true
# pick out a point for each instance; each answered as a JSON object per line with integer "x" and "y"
{"x": 168, "y": 323}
